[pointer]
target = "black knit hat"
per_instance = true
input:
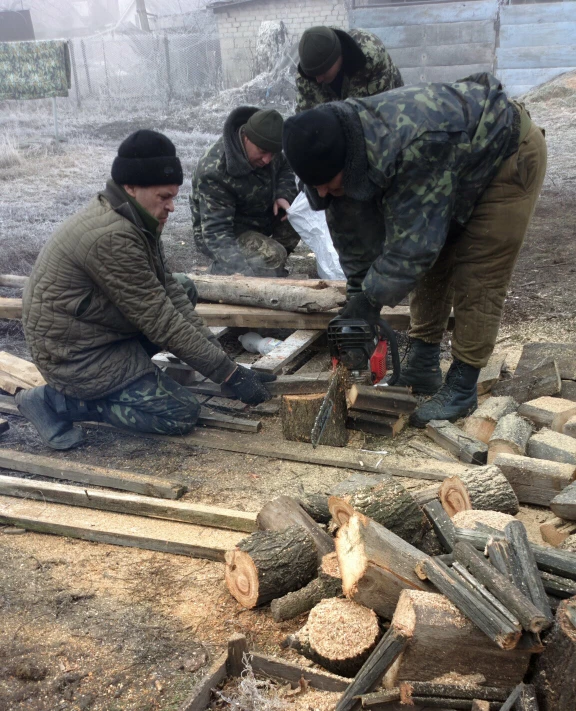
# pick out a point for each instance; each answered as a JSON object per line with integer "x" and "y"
{"x": 147, "y": 158}
{"x": 264, "y": 129}
{"x": 319, "y": 48}
{"x": 315, "y": 145}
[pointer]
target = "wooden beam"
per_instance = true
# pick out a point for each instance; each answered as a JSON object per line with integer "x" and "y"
{"x": 199, "y": 514}
{"x": 11, "y": 384}
{"x": 56, "y": 468}
{"x": 199, "y": 698}
{"x": 287, "y": 671}
{"x": 10, "y": 308}
{"x": 284, "y": 354}
{"x": 119, "y": 529}
{"x": 21, "y": 369}
{"x": 12, "y": 280}
{"x": 225, "y": 422}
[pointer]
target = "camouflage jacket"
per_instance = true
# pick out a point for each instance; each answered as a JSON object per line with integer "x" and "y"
{"x": 35, "y": 69}
{"x": 368, "y": 70}
{"x": 426, "y": 154}
{"x": 230, "y": 197}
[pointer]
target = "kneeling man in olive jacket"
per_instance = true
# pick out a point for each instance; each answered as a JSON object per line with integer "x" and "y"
{"x": 100, "y": 302}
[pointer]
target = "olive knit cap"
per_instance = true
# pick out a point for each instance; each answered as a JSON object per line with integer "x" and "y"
{"x": 319, "y": 48}
{"x": 264, "y": 129}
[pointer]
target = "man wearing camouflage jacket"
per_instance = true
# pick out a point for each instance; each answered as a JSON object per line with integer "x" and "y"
{"x": 241, "y": 190}
{"x": 451, "y": 174}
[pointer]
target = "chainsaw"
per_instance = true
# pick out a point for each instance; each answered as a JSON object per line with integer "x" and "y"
{"x": 360, "y": 349}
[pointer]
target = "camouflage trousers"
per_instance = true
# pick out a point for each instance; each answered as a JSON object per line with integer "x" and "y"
{"x": 153, "y": 403}
{"x": 266, "y": 256}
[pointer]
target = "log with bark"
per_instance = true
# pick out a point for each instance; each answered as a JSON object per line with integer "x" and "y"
{"x": 316, "y": 506}
{"x": 327, "y": 584}
{"x": 481, "y": 423}
{"x": 339, "y": 635}
{"x": 437, "y": 629}
{"x": 376, "y": 564}
{"x": 556, "y": 666}
{"x": 452, "y": 438}
{"x": 490, "y": 374}
{"x": 441, "y": 523}
{"x": 299, "y": 412}
{"x": 564, "y": 503}
{"x": 388, "y": 401}
{"x": 410, "y": 689}
{"x": 269, "y": 564}
{"x": 484, "y": 488}
{"x": 558, "y": 587}
{"x": 555, "y": 446}
{"x": 542, "y": 380}
{"x": 546, "y": 411}
{"x": 510, "y": 436}
{"x": 535, "y": 481}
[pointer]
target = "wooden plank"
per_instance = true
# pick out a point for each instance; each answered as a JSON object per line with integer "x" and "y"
{"x": 21, "y": 369}
{"x": 119, "y": 529}
{"x": 530, "y": 77}
{"x": 424, "y": 14}
{"x": 17, "y": 282}
{"x": 536, "y": 57}
{"x": 538, "y": 34}
{"x": 287, "y": 671}
{"x": 529, "y": 14}
{"x": 8, "y": 405}
{"x": 227, "y": 404}
{"x": 199, "y": 698}
{"x": 225, "y": 422}
{"x": 187, "y": 512}
{"x": 285, "y": 353}
{"x": 444, "y": 55}
{"x": 435, "y": 34}
{"x": 283, "y": 385}
{"x": 56, "y": 468}
{"x": 454, "y": 73}
{"x": 11, "y": 384}
{"x": 10, "y": 308}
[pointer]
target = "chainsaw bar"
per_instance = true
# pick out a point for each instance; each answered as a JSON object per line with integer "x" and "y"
{"x": 326, "y": 409}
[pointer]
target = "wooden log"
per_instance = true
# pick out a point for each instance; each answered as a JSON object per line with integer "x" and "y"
{"x": 266, "y": 294}
{"x": 530, "y": 617}
{"x": 286, "y": 352}
{"x": 569, "y": 428}
{"x": 283, "y": 512}
{"x": 269, "y": 564}
{"x": 542, "y": 380}
{"x": 564, "y": 503}
{"x": 118, "y": 529}
{"x": 484, "y": 615}
{"x": 452, "y": 438}
{"x": 10, "y": 384}
{"x": 372, "y": 423}
{"x": 484, "y": 488}
{"x": 12, "y": 280}
{"x": 425, "y": 495}
{"x": 558, "y": 587}
{"x": 510, "y": 436}
{"x": 441, "y": 523}
{"x": 552, "y": 412}
{"x": 57, "y": 468}
{"x": 554, "y": 446}
{"x": 556, "y": 530}
{"x": 10, "y": 308}
{"x": 199, "y": 514}
{"x": 534, "y": 354}
{"x": 316, "y": 506}
{"x": 389, "y": 504}
{"x": 556, "y": 666}
{"x": 327, "y": 584}
{"x": 382, "y": 400}
{"x": 408, "y": 689}
{"x": 299, "y": 412}
{"x": 300, "y": 384}
{"x": 377, "y": 698}
{"x": 535, "y": 481}
{"x": 376, "y": 564}
{"x": 490, "y": 373}
{"x": 21, "y": 369}
{"x": 481, "y": 423}
{"x": 438, "y": 628}
{"x": 515, "y": 533}
{"x": 339, "y": 636}
{"x": 568, "y": 391}
{"x": 378, "y": 663}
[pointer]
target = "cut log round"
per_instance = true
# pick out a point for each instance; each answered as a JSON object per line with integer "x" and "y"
{"x": 390, "y": 401}
{"x": 387, "y": 503}
{"x": 339, "y": 635}
{"x": 483, "y": 421}
{"x": 479, "y": 488}
{"x": 556, "y": 667}
{"x": 269, "y": 564}
{"x": 510, "y": 436}
{"x": 299, "y": 412}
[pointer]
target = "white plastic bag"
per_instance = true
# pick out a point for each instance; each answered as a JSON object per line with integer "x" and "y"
{"x": 313, "y": 230}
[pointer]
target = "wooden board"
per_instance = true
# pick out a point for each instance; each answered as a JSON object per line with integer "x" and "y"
{"x": 537, "y": 57}
{"x": 199, "y": 698}
{"x": 285, "y": 353}
{"x": 119, "y": 529}
{"x": 11, "y": 384}
{"x": 424, "y": 14}
{"x": 434, "y": 34}
{"x": 444, "y": 55}
{"x": 528, "y": 14}
{"x": 280, "y": 669}
{"x": 187, "y": 512}
{"x": 21, "y": 369}
{"x": 10, "y": 308}
{"x": 12, "y": 280}
{"x": 56, "y": 468}
{"x": 537, "y": 34}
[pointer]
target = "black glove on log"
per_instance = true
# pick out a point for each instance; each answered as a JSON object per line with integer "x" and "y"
{"x": 360, "y": 307}
{"x": 248, "y": 385}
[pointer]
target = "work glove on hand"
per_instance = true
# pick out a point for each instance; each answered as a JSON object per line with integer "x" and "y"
{"x": 359, "y": 306}
{"x": 248, "y": 385}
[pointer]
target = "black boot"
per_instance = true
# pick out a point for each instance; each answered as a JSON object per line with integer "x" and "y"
{"x": 456, "y": 398}
{"x": 55, "y": 429}
{"x": 422, "y": 371}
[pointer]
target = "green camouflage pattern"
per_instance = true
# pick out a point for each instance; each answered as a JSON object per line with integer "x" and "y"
{"x": 378, "y": 75}
{"x": 432, "y": 149}
{"x": 230, "y": 197}
{"x": 34, "y": 69}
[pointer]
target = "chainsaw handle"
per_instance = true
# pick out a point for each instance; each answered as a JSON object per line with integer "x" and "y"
{"x": 390, "y": 336}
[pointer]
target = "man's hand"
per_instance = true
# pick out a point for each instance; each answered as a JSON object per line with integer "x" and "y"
{"x": 248, "y": 385}
{"x": 360, "y": 307}
{"x": 281, "y": 204}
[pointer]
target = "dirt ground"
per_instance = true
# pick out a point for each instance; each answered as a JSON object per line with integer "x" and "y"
{"x": 94, "y": 626}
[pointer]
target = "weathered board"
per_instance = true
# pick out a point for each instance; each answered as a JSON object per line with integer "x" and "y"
{"x": 286, "y": 351}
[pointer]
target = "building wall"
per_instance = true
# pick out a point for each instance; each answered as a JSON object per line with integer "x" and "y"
{"x": 238, "y": 27}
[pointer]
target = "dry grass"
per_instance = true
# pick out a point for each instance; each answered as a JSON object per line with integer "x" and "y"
{"x": 9, "y": 153}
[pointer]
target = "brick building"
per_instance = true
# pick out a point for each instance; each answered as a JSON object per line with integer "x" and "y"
{"x": 239, "y": 22}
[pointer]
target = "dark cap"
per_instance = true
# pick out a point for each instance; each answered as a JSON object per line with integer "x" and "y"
{"x": 147, "y": 158}
{"x": 319, "y": 48}
{"x": 315, "y": 145}
{"x": 264, "y": 129}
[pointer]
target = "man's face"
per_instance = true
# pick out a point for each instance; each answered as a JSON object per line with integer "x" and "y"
{"x": 157, "y": 199}
{"x": 257, "y": 157}
{"x": 335, "y": 187}
{"x": 330, "y": 74}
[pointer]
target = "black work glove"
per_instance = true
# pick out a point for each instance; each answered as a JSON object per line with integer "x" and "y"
{"x": 359, "y": 306}
{"x": 248, "y": 385}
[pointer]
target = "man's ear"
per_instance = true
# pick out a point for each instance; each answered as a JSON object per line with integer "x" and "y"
{"x": 130, "y": 189}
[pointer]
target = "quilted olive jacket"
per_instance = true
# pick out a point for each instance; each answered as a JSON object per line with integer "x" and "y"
{"x": 100, "y": 300}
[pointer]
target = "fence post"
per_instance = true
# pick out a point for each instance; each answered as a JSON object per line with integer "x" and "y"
{"x": 168, "y": 70}
{"x": 105, "y": 68}
{"x": 74, "y": 71}
{"x": 83, "y": 46}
